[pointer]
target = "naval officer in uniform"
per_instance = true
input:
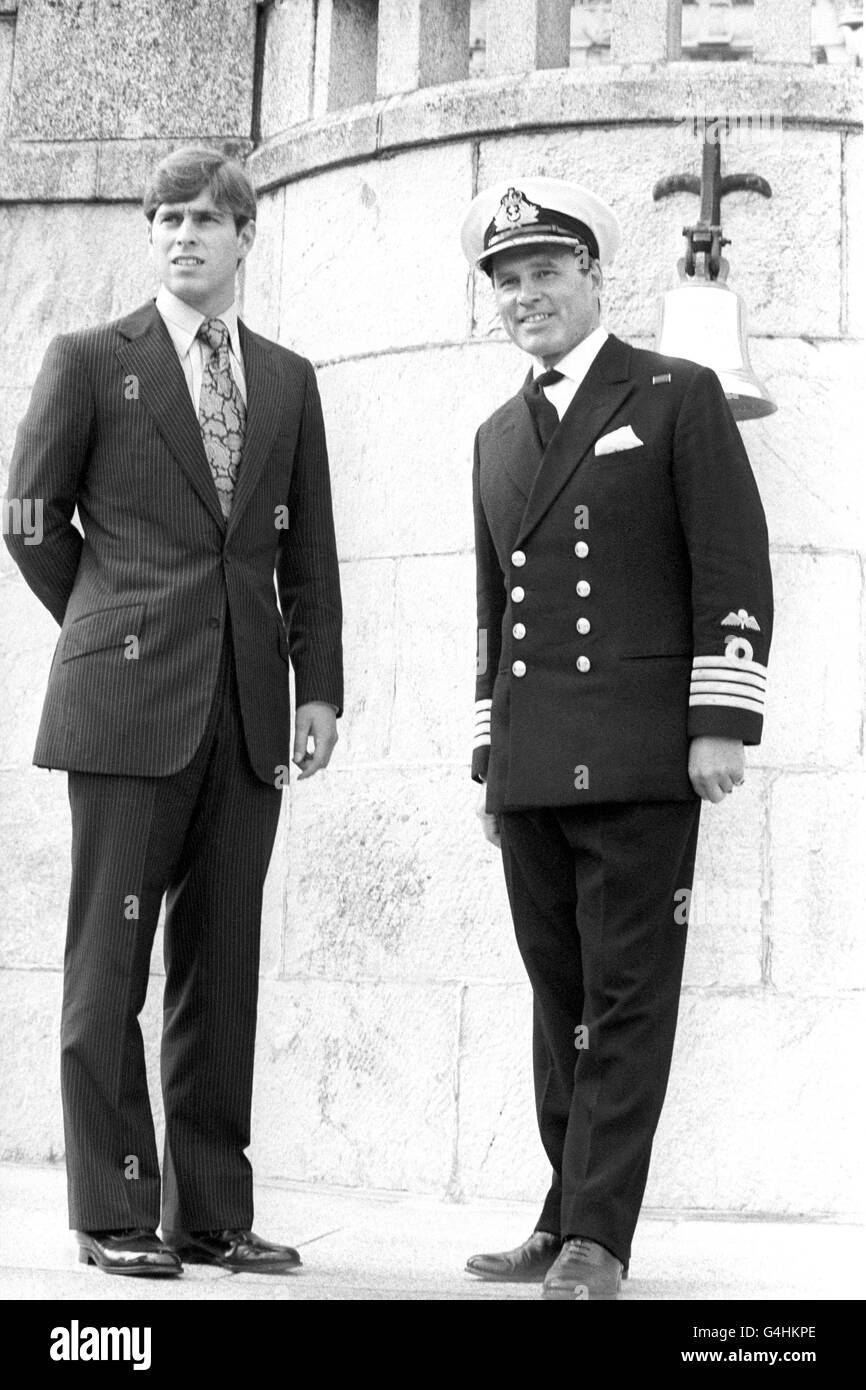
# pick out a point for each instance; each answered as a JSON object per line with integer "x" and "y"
{"x": 624, "y": 623}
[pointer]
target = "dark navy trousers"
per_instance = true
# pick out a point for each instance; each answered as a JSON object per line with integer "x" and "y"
{"x": 598, "y": 919}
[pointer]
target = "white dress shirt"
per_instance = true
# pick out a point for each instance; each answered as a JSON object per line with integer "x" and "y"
{"x": 183, "y": 323}
{"x": 574, "y": 367}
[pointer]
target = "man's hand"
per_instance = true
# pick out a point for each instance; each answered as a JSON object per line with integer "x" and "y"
{"x": 489, "y": 824}
{"x": 716, "y": 766}
{"x": 317, "y": 722}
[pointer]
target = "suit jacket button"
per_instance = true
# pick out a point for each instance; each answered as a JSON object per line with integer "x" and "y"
{"x": 517, "y": 594}
{"x": 582, "y": 588}
{"x": 583, "y": 663}
{"x": 581, "y": 550}
{"x": 583, "y": 626}
{"x": 213, "y": 622}
{"x": 518, "y": 558}
{"x": 518, "y": 668}
{"x": 518, "y": 631}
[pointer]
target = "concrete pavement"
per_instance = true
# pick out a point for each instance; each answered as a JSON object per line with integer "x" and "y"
{"x": 362, "y": 1245}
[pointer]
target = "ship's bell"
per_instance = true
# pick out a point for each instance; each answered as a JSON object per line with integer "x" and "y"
{"x": 704, "y": 321}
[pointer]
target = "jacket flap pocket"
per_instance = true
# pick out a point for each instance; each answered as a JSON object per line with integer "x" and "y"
{"x": 103, "y": 629}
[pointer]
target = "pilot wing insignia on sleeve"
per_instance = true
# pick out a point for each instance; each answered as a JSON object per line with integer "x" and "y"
{"x": 741, "y": 619}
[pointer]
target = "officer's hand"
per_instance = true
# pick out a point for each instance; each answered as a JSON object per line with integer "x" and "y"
{"x": 489, "y": 824}
{"x": 716, "y": 766}
{"x": 317, "y": 722}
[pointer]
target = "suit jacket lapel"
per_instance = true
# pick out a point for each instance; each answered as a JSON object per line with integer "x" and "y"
{"x": 148, "y": 354}
{"x": 263, "y": 416}
{"x": 601, "y": 393}
{"x": 519, "y": 448}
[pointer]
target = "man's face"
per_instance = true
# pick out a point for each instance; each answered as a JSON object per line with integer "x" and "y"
{"x": 547, "y": 302}
{"x": 196, "y": 250}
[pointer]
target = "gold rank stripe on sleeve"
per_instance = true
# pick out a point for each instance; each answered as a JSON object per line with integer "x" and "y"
{"x": 481, "y": 736}
{"x": 739, "y": 684}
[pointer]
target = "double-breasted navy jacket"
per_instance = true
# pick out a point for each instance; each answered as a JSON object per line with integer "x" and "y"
{"x": 624, "y": 588}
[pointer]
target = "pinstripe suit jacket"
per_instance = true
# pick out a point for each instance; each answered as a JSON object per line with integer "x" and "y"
{"x": 143, "y": 597}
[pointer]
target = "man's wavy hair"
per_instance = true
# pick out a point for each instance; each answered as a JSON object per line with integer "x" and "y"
{"x": 181, "y": 176}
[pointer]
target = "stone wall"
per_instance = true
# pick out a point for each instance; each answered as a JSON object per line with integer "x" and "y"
{"x": 394, "y": 1026}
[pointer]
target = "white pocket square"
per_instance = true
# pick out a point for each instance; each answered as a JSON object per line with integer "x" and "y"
{"x": 623, "y": 438}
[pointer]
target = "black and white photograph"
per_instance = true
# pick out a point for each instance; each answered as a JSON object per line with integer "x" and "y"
{"x": 432, "y": 649}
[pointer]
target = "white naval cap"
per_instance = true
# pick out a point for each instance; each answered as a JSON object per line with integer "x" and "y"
{"x": 527, "y": 211}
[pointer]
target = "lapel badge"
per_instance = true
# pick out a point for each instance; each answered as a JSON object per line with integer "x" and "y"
{"x": 742, "y": 620}
{"x": 663, "y": 377}
{"x": 514, "y": 211}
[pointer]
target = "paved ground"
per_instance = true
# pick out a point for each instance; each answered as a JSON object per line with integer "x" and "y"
{"x": 387, "y": 1246}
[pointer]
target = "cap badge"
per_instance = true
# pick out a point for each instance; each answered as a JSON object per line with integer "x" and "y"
{"x": 514, "y": 211}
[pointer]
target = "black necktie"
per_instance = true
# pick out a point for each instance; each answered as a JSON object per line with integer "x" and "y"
{"x": 540, "y": 408}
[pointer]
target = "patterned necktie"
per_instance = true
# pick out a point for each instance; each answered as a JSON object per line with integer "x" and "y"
{"x": 543, "y": 412}
{"x": 221, "y": 412}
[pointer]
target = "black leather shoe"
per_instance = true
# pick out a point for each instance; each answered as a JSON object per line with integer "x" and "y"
{"x": 243, "y": 1252}
{"x": 137, "y": 1251}
{"x": 584, "y": 1270}
{"x": 525, "y": 1264}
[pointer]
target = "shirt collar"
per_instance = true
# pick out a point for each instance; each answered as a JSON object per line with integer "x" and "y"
{"x": 576, "y": 363}
{"x": 183, "y": 321}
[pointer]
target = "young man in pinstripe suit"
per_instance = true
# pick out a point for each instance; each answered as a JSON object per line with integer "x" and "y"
{"x": 194, "y": 452}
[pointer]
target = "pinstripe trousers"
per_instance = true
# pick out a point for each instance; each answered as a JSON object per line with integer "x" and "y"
{"x": 202, "y": 838}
